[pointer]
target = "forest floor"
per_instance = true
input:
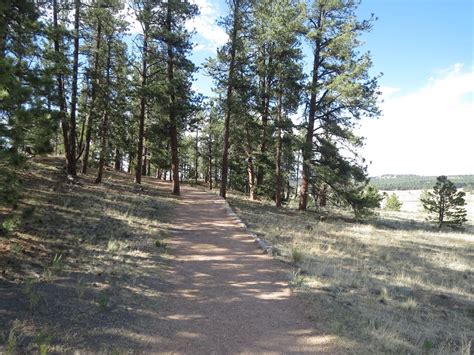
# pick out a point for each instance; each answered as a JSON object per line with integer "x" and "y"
{"x": 82, "y": 265}
{"x": 390, "y": 284}
{"x": 116, "y": 268}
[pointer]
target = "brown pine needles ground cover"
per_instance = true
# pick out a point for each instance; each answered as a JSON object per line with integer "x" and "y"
{"x": 81, "y": 264}
{"x": 392, "y": 284}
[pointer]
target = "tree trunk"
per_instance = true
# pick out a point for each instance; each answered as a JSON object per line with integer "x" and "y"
{"x": 196, "y": 157}
{"x": 228, "y": 111}
{"x": 288, "y": 168}
{"x": 95, "y": 85}
{"x": 75, "y": 72}
{"x": 172, "y": 110}
{"x": 105, "y": 122}
{"x": 141, "y": 118}
{"x": 149, "y": 165}
{"x": 308, "y": 145}
{"x": 265, "y": 115}
{"x": 103, "y": 146}
{"x": 278, "y": 156}
{"x": 297, "y": 173}
{"x": 323, "y": 195}
{"x": 250, "y": 167}
{"x": 131, "y": 158}
{"x": 60, "y": 83}
{"x": 145, "y": 162}
{"x": 118, "y": 160}
{"x": 210, "y": 162}
{"x": 216, "y": 171}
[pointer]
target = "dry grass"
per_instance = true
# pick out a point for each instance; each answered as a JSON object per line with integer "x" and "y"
{"x": 82, "y": 257}
{"x": 393, "y": 284}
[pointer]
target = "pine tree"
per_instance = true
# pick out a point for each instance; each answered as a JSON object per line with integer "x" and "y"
{"x": 26, "y": 124}
{"x": 179, "y": 70}
{"x": 145, "y": 15}
{"x": 445, "y": 203}
{"x": 393, "y": 203}
{"x": 340, "y": 92}
{"x": 95, "y": 17}
{"x": 225, "y": 71}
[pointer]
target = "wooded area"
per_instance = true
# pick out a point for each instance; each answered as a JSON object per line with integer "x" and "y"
{"x": 79, "y": 80}
{"x": 111, "y": 240}
{"x": 416, "y": 182}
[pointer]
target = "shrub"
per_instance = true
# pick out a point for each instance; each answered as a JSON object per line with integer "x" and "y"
{"x": 393, "y": 203}
{"x": 11, "y": 223}
{"x": 364, "y": 200}
{"x": 297, "y": 255}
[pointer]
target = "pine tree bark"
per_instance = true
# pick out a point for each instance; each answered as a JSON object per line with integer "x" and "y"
{"x": 95, "y": 85}
{"x": 71, "y": 166}
{"x": 278, "y": 155}
{"x": 196, "y": 157}
{"x": 297, "y": 173}
{"x": 210, "y": 162}
{"x": 172, "y": 110}
{"x": 105, "y": 122}
{"x": 265, "y": 116}
{"x": 308, "y": 145}
{"x": 145, "y": 162}
{"x": 229, "y": 99}
{"x": 60, "y": 88}
{"x": 118, "y": 160}
{"x": 141, "y": 118}
{"x": 250, "y": 166}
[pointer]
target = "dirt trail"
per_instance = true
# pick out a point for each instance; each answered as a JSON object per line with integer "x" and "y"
{"x": 227, "y": 296}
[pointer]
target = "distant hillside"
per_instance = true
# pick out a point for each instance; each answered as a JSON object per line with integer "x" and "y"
{"x": 417, "y": 182}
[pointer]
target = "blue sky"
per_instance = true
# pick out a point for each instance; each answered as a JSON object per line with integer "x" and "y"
{"x": 425, "y": 50}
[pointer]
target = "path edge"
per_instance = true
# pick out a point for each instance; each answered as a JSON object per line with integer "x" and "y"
{"x": 261, "y": 243}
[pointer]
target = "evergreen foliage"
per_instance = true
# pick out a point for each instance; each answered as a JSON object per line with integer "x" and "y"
{"x": 445, "y": 204}
{"x": 363, "y": 200}
{"x": 76, "y": 81}
{"x": 26, "y": 123}
{"x": 417, "y": 182}
{"x": 393, "y": 203}
{"x": 340, "y": 92}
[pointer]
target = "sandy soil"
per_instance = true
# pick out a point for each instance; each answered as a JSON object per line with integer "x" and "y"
{"x": 228, "y": 297}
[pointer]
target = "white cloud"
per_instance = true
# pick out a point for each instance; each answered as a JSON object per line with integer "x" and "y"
{"x": 206, "y": 26}
{"x": 388, "y": 91}
{"x": 429, "y": 131}
{"x": 130, "y": 16}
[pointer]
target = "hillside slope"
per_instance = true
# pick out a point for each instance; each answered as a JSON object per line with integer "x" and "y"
{"x": 79, "y": 262}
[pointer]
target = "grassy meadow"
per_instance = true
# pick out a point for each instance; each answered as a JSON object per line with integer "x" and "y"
{"x": 391, "y": 284}
{"x": 413, "y": 208}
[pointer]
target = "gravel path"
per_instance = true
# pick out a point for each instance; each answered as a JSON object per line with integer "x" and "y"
{"x": 227, "y": 296}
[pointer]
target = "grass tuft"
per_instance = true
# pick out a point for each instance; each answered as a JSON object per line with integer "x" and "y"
{"x": 31, "y": 293}
{"x": 161, "y": 244}
{"x": 410, "y": 304}
{"x": 297, "y": 280}
{"x": 297, "y": 255}
{"x": 43, "y": 341}
{"x": 103, "y": 302}
{"x": 113, "y": 246}
{"x": 12, "y": 342}
{"x": 80, "y": 288}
